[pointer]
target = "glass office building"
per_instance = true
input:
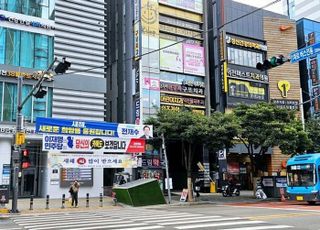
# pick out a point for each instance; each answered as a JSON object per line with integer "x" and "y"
{"x": 308, "y": 32}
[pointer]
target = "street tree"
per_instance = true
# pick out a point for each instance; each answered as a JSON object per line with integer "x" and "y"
{"x": 264, "y": 126}
{"x": 193, "y": 130}
{"x": 313, "y": 130}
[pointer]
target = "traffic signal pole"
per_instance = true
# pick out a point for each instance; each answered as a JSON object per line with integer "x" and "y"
{"x": 15, "y": 158}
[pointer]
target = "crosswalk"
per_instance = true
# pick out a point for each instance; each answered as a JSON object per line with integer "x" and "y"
{"x": 137, "y": 219}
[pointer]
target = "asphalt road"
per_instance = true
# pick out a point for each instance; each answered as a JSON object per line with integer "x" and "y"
{"x": 235, "y": 216}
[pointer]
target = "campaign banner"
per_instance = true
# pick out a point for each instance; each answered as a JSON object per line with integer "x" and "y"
{"x": 92, "y": 128}
{"x": 92, "y": 144}
{"x": 193, "y": 59}
{"x": 60, "y": 160}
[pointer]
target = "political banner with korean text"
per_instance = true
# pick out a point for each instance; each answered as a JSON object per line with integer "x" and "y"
{"x": 92, "y": 128}
{"x": 72, "y": 143}
{"x": 68, "y": 160}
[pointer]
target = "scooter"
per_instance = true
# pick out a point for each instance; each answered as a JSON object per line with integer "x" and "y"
{"x": 259, "y": 192}
{"x": 230, "y": 189}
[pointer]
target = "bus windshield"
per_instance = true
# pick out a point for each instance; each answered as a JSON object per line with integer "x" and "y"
{"x": 301, "y": 175}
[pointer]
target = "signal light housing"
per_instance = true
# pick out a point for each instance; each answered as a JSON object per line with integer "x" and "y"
{"x": 271, "y": 63}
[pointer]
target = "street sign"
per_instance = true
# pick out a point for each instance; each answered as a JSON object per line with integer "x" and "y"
{"x": 20, "y": 138}
{"x": 304, "y": 53}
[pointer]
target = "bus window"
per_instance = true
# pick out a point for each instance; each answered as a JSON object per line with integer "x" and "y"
{"x": 301, "y": 175}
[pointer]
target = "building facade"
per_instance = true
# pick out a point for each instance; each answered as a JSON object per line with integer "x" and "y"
{"x": 297, "y": 9}
{"x": 32, "y": 33}
{"x": 308, "y": 33}
{"x": 235, "y": 49}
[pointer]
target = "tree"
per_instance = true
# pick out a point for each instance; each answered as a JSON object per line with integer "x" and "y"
{"x": 192, "y": 130}
{"x": 313, "y": 130}
{"x": 265, "y": 126}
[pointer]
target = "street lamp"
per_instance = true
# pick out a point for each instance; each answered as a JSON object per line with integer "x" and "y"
{"x": 20, "y": 135}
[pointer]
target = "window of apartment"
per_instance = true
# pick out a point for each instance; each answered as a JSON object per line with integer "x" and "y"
{"x": 33, "y": 108}
{"x": 243, "y": 57}
{"x": 36, "y": 8}
{"x": 25, "y": 49}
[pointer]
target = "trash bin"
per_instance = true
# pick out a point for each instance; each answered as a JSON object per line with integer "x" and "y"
{"x": 273, "y": 184}
{"x": 213, "y": 187}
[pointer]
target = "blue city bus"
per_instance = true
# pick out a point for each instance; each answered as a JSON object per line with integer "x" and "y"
{"x": 303, "y": 178}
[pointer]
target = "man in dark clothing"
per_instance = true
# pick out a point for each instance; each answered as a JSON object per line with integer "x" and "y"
{"x": 74, "y": 189}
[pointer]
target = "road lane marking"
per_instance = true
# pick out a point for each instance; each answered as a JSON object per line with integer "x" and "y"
{"x": 142, "y": 228}
{"x": 201, "y": 221}
{"x": 260, "y": 227}
{"x": 102, "y": 227}
{"x": 187, "y": 218}
{"x": 218, "y": 224}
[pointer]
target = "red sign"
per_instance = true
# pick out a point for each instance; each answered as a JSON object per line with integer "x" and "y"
{"x": 136, "y": 145}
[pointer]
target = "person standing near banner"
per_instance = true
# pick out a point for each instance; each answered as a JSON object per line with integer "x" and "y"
{"x": 74, "y": 189}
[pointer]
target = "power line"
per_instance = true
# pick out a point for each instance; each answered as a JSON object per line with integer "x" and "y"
{"x": 181, "y": 41}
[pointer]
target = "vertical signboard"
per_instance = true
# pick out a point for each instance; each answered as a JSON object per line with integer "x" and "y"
{"x": 150, "y": 17}
{"x": 314, "y": 76}
{"x": 193, "y": 59}
{"x": 137, "y": 30}
{"x": 137, "y": 111}
{"x": 5, "y": 174}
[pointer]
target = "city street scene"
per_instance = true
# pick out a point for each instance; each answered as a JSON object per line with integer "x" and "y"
{"x": 159, "y": 114}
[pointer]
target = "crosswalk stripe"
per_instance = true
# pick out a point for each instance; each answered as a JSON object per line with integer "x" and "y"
{"x": 165, "y": 217}
{"x": 25, "y": 222}
{"x": 47, "y": 217}
{"x": 218, "y": 224}
{"x": 260, "y": 227}
{"x": 138, "y": 215}
{"x": 99, "y": 227}
{"x": 142, "y": 228}
{"x": 187, "y": 218}
{"x": 48, "y": 225}
{"x": 201, "y": 221}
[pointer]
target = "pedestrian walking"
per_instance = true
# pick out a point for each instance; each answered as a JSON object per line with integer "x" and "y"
{"x": 74, "y": 189}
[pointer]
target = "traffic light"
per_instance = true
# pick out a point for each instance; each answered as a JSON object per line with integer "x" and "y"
{"x": 25, "y": 159}
{"x": 62, "y": 67}
{"x": 40, "y": 93}
{"x": 271, "y": 63}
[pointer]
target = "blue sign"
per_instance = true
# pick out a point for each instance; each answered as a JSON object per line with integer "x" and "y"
{"x": 91, "y": 128}
{"x": 304, "y": 53}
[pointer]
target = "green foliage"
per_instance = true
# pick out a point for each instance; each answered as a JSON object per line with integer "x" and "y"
{"x": 313, "y": 129}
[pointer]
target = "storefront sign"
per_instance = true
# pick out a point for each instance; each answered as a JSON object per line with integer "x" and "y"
{"x": 247, "y": 89}
{"x": 137, "y": 111}
{"x": 182, "y": 100}
{"x": 101, "y": 144}
{"x": 233, "y": 167}
{"x": 180, "y": 31}
{"x": 181, "y": 88}
{"x": 244, "y": 43}
{"x": 179, "y": 38}
{"x": 247, "y": 75}
{"x": 89, "y": 128}
{"x": 284, "y": 86}
{"x": 193, "y": 83}
{"x": 316, "y": 101}
{"x": 151, "y": 83}
{"x": 193, "y": 60}
{"x": 178, "y": 108}
{"x": 286, "y": 104}
{"x": 314, "y": 75}
{"x": 8, "y": 73}
{"x": 25, "y": 22}
{"x": 179, "y": 23}
{"x": 150, "y": 17}
{"x": 83, "y": 175}
{"x": 171, "y": 57}
{"x": 12, "y": 130}
{"x": 191, "y": 5}
{"x": 92, "y": 161}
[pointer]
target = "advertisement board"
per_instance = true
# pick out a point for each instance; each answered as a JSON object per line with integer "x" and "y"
{"x": 89, "y": 128}
{"x": 150, "y": 17}
{"x": 151, "y": 83}
{"x": 313, "y": 71}
{"x": 191, "y": 5}
{"x": 247, "y": 89}
{"x": 193, "y": 59}
{"x": 60, "y": 160}
{"x": 83, "y": 175}
{"x": 75, "y": 143}
{"x": 171, "y": 57}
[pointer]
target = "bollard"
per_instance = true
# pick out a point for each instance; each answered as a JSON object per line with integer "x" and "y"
{"x": 101, "y": 200}
{"x": 87, "y": 200}
{"x": 63, "y": 200}
{"x": 114, "y": 198}
{"x": 31, "y": 202}
{"x": 47, "y": 202}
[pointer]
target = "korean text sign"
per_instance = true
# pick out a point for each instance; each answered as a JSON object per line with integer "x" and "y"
{"x": 68, "y": 160}
{"x": 91, "y": 128}
{"x": 72, "y": 143}
{"x": 193, "y": 59}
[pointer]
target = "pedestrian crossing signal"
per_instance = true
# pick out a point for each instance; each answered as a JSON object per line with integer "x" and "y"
{"x": 25, "y": 162}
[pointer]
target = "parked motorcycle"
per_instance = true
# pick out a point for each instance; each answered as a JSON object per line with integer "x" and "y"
{"x": 230, "y": 189}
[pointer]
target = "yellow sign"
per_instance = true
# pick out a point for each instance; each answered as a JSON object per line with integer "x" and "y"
{"x": 201, "y": 167}
{"x": 284, "y": 86}
{"x": 150, "y": 17}
{"x": 180, "y": 13}
{"x": 243, "y": 43}
{"x": 20, "y": 138}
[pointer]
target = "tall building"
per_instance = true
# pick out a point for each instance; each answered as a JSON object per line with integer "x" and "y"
{"x": 308, "y": 33}
{"x": 235, "y": 49}
{"x": 297, "y": 9}
{"x": 144, "y": 79}
{"x": 32, "y": 33}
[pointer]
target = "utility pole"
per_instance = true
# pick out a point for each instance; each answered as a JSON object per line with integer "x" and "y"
{"x": 167, "y": 166}
{"x": 20, "y": 135}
